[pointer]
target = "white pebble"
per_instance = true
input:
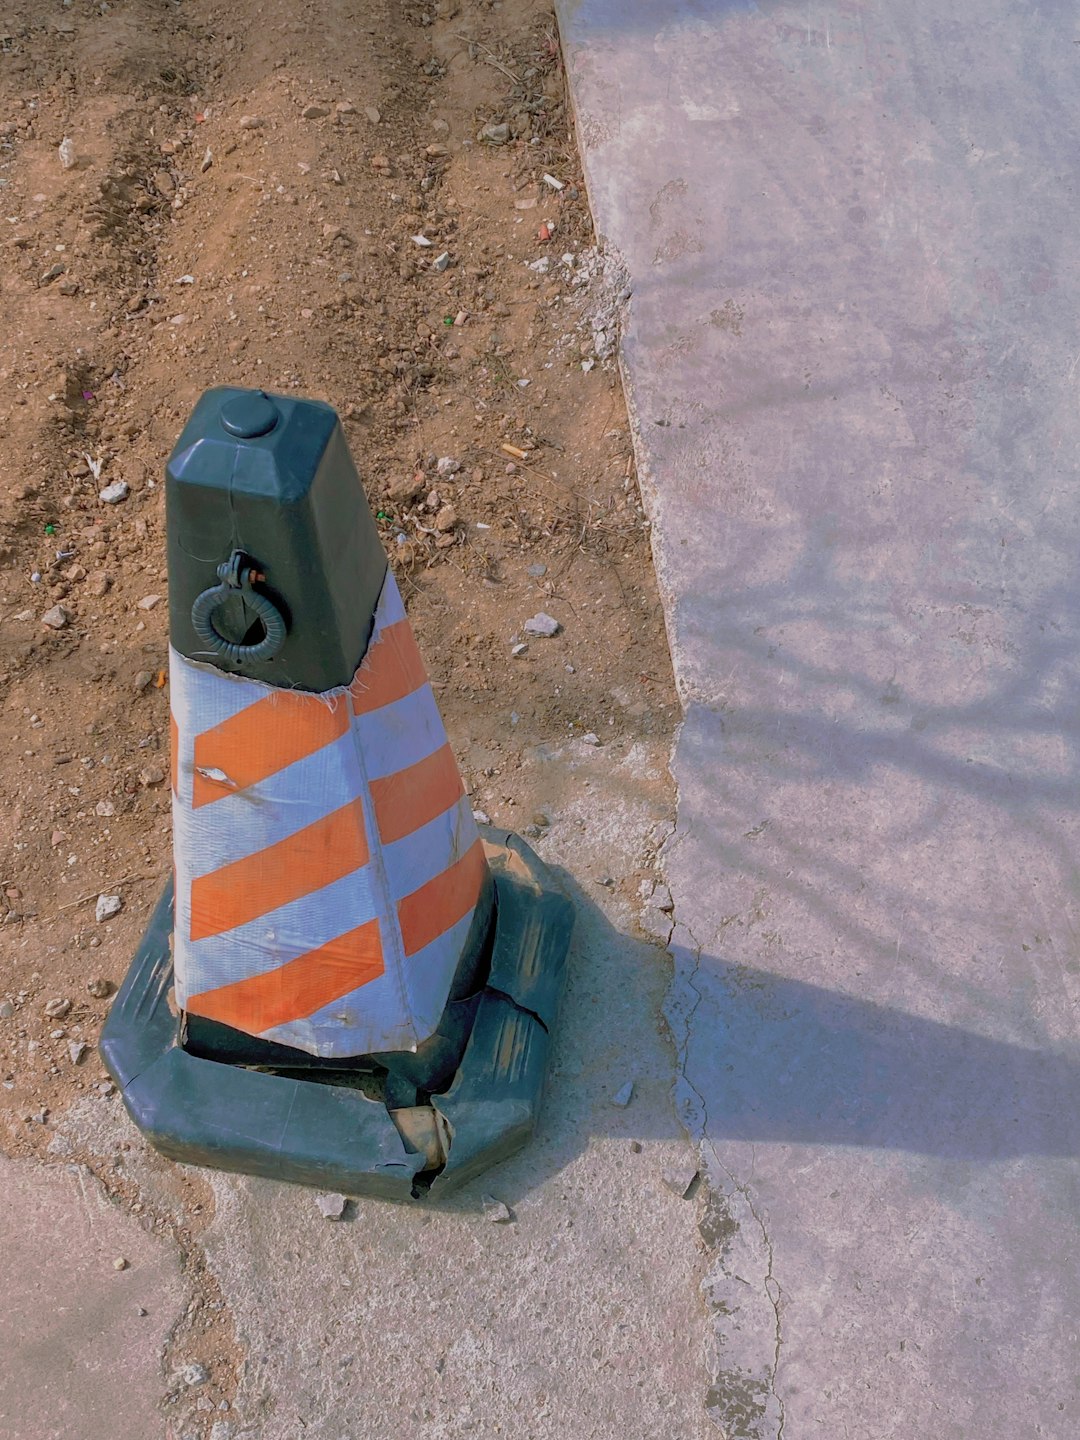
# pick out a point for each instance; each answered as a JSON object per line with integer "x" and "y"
{"x": 331, "y": 1207}
{"x": 542, "y": 624}
{"x": 107, "y": 906}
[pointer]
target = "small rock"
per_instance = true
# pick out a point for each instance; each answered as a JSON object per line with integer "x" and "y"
{"x": 406, "y": 488}
{"x": 77, "y": 1049}
{"x": 517, "y": 650}
{"x": 495, "y": 134}
{"x": 542, "y": 624}
{"x": 495, "y": 1210}
{"x": 251, "y": 122}
{"x": 139, "y": 1310}
{"x": 106, "y": 1088}
{"x": 537, "y": 571}
{"x": 446, "y": 519}
{"x": 447, "y": 465}
{"x": 66, "y": 151}
{"x": 143, "y": 680}
{"x": 99, "y": 987}
{"x": 372, "y": 114}
{"x": 422, "y": 241}
{"x": 149, "y": 601}
{"x": 635, "y": 1146}
{"x": 331, "y": 1207}
{"x": 164, "y": 183}
{"x": 481, "y": 817}
{"x": 553, "y": 183}
{"x": 105, "y": 808}
{"x": 107, "y": 906}
{"x": 57, "y": 1009}
{"x": 220, "y": 1430}
{"x": 660, "y": 899}
{"x": 679, "y": 1178}
{"x": 152, "y": 775}
{"x": 207, "y": 160}
{"x": 194, "y": 1374}
{"x": 7, "y": 1009}
{"x": 590, "y": 738}
{"x": 53, "y": 273}
{"x": 441, "y": 261}
{"x": 314, "y": 112}
{"x": 56, "y": 618}
{"x": 623, "y": 1096}
{"x": 120, "y": 1263}
{"x": 114, "y": 493}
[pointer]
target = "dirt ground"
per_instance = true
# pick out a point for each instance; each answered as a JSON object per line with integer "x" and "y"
{"x": 216, "y": 194}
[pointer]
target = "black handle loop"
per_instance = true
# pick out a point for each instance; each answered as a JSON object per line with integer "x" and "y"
{"x": 236, "y": 577}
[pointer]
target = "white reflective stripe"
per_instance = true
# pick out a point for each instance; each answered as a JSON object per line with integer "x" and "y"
{"x": 432, "y": 970}
{"x": 398, "y": 735}
{"x": 278, "y": 936}
{"x": 430, "y": 973}
{"x": 355, "y": 1024}
{"x": 417, "y": 858}
{"x": 239, "y": 825}
{"x": 391, "y": 607}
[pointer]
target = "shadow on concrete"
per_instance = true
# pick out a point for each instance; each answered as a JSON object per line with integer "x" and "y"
{"x": 791, "y": 1062}
{"x": 804, "y": 1065}
{"x": 610, "y": 1031}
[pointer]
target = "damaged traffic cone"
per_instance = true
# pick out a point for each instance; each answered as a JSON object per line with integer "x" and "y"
{"x": 362, "y": 985}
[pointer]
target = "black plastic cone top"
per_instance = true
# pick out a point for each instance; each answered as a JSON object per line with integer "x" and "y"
{"x": 267, "y": 483}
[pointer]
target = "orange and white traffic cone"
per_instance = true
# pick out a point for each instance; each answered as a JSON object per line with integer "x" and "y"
{"x": 335, "y": 914}
{"x": 328, "y": 866}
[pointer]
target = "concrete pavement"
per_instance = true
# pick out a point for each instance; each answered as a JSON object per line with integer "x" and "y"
{"x": 82, "y": 1341}
{"x": 852, "y": 356}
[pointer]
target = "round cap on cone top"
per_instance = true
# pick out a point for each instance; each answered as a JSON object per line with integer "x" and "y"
{"x": 248, "y": 416}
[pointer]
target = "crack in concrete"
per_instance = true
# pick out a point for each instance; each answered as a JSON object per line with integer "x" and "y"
{"x": 771, "y": 1285}
{"x": 695, "y": 1118}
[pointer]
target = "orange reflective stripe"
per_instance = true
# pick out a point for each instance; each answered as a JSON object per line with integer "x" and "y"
{"x": 428, "y": 912}
{"x": 174, "y": 753}
{"x": 391, "y": 669}
{"x": 262, "y": 739}
{"x": 299, "y": 987}
{"x": 316, "y": 856}
{"x": 411, "y": 797}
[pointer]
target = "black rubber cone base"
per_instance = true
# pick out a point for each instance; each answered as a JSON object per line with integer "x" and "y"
{"x": 332, "y": 1134}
